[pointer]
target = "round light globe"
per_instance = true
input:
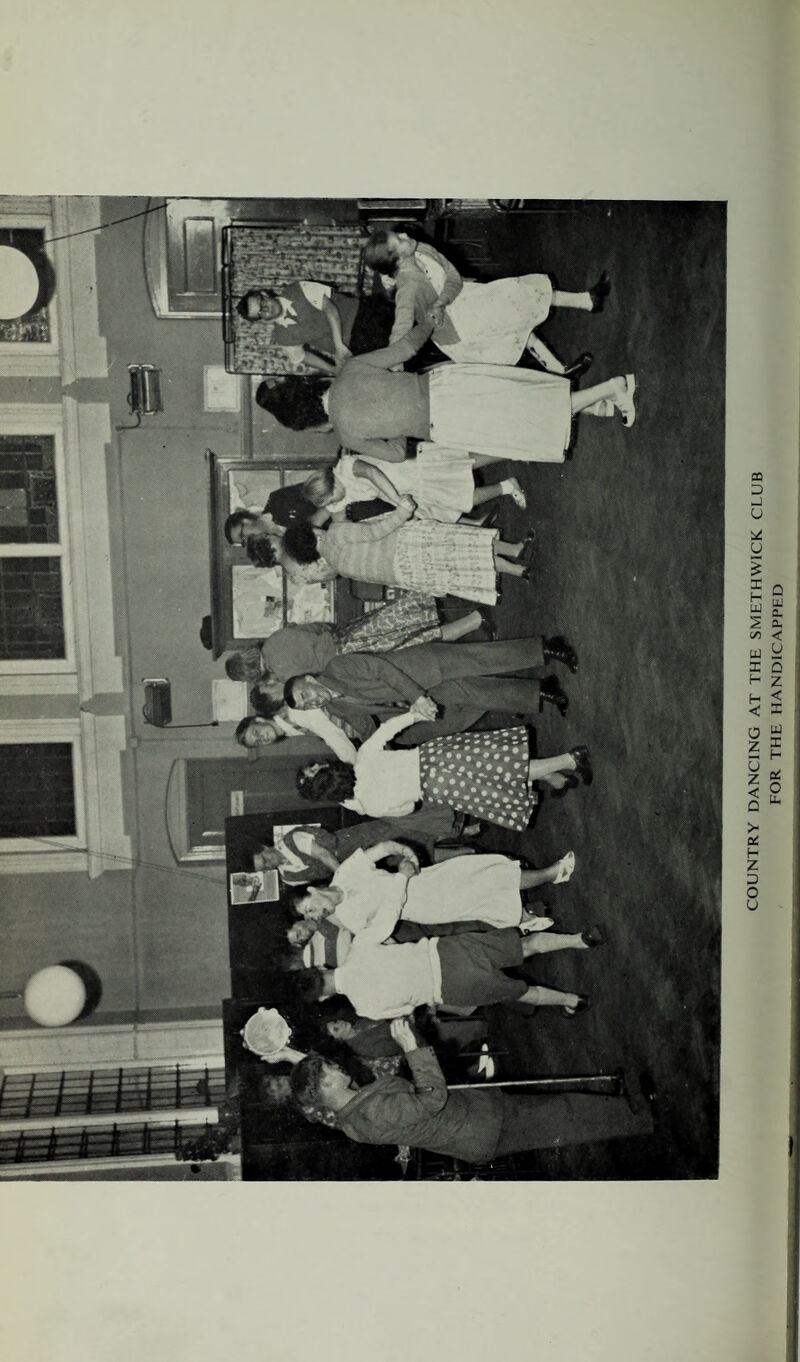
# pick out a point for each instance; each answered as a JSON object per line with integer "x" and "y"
{"x": 55, "y": 996}
{"x": 19, "y": 283}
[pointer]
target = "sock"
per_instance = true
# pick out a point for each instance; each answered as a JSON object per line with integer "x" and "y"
{"x": 563, "y": 299}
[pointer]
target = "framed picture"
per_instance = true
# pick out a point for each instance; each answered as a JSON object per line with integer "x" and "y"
{"x": 248, "y": 603}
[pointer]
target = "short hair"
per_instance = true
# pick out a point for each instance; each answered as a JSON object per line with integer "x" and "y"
{"x": 241, "y": 666}
{"x": 308, "y": 985}
{"x": 265, "y": 706}
{"x": 261, "y": 551}
{"x": 305, "y": 1080}
{"x": 235, "y": 519}
{"x": 303, "y": 928}
{"x": 243, "y": 728}
{"x": 295, "y": 401}
{"x": 377, "y": 253}
{"x": 318, "y": 486}
{"x": 300, "y": 542}
{"x": 259, "y": 293}
{"x": 326, "y": 781}
{"x": 288, "y": 691}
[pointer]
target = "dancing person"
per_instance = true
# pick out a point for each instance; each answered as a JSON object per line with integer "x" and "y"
{"x": 465, "y": 970}
{"x": 475, "y": 1124}
{"x": 396, "y": 550}
{"x": 488, "y": 775}
{"x": 410, "y": 620}
{"x": 484, "y": 888}
{"x": 465, "y": 679}
{"x": 490, "y": 323}
{"x": 497, "y": 411}
{"x": 441, "y": 482}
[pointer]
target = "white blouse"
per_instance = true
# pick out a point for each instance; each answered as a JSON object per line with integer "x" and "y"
{"x": 387, "y": 783}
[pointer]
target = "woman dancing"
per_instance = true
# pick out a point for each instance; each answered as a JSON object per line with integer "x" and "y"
{"x": 441, "y": 482}
{"x": 396, "y": 550}
{"x": 474, "y": 323}
{"x": 493, "y": 410}
{"x": 488, "y": 775}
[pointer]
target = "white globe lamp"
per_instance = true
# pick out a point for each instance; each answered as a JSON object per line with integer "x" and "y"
{"x": 19, "y": 283}
{"x": 55, "y": 996}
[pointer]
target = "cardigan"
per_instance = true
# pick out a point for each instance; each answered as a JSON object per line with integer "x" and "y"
{"x": 372, "y": 410}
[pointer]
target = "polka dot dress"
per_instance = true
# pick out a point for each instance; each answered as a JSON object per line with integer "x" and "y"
{"x": 482, "y": 774}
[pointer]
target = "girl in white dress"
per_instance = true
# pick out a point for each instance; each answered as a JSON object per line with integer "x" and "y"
{"x": 440, "y": 481}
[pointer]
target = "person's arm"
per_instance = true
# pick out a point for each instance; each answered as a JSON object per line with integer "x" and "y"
{"x": 400, "y": 350}
{"x": 381, "y": 850}
{"x": 370, "y": 531}
{"x": 390, "y": 905}
{"x": 303, "y": 573}
{"x": 318, "y": 723}
{"x": 352, "y": 670}
{"x": 404, "y": 312}
{"x": 304, "y": 841}
{"x": 387, "y": 730}
{"x": 385, "y": 451}
{"x": 331, "y": 314}
{"x": 430, "y": 1089}
{"x": 383, "y": 485}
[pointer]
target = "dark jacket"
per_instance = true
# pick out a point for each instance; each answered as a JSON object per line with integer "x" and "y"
{"x": 423, "y": 1114}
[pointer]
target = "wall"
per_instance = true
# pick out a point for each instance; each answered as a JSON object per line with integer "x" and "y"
{"x": 157, "y": 933}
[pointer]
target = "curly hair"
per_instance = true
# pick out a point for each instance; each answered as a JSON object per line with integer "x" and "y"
{"x": 261, "y": 551}
{"x": 294, "y": 401}
{"x": 300, "y": 542}
{"x": 326, "y": 781}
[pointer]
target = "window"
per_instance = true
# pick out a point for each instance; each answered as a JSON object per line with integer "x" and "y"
{"x": 35, "y": 618}
{"x": 29, "y": 344}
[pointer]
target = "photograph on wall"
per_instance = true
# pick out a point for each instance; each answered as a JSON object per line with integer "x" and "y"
{"x": 257, "y": 886}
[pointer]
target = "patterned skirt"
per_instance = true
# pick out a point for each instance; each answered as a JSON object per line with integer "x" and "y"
{"x": 494, "y": 320}
{"x": 411, "y": 619}
{"x": 483, "y": 774}
{"x": 447, "y": 560}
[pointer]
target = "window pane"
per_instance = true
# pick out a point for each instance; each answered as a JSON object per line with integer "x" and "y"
{"x": 37, "y": 792}
{"x": 28, "y": 506}
{"x": 31, "y": 613}
{"x": 34, "y": 327}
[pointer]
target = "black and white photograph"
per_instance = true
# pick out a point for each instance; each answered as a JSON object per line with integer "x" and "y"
{"x": 397, "y": 664}
{"x": 410, "y": 483}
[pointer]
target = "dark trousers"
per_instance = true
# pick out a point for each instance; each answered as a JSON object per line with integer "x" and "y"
{"x": 542, "y": 1121}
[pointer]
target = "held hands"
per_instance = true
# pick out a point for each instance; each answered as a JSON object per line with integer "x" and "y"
{"x": 408, "y": 503}
{"x": 342, "y": 354}
{"x": 425, "y": 707}
{"x": 409, "y": 864}
{"x": 402, "y": 1033}
{"x": 436, "y": 315}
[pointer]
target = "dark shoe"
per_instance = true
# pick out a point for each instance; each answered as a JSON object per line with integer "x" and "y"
{"x": 489, "y": 625}
{"x": 571, "y": 783}
{"x": 583, "y": 766}
{"x": 600, "y": 292}
{"x": 525, "y": 555}
{"x": 583, "y": 1004}
{"x": 487, "y": 520}
{"x": 579, "y": 366}
{"x": 641, "y": 1095}
{"x": 551, "y": 693}
{"x": 594, "y": 936}
{"x": 558, "y": 650}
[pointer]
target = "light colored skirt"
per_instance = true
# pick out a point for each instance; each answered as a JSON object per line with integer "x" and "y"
{"x": 447, "y": 560}
{"x": 483, "y": 774}
{"x": 500, "y": 411}
{"x": 466, "y": 889}
{"x": 494, "y": 320}
{"x": 411, "y": 619}
{"x": 440, "y": 481}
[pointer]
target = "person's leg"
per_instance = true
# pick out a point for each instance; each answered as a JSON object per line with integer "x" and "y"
{"x": 539, "y": 1121}
{"x": 557, "y": 873}
{"x": 453, "y": 630}
{"x": 542, "y": 767}
{"x": 536, "y": 995}
{"x": 545, "y": 942}
{"x": 619, "y": 390}
{"x": 509, "y": 487}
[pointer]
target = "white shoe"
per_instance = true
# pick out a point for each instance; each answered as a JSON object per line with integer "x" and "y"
{"x": 564, "y": 868}
{"x": 624, "y": 402}
{"x": 535, "y": 924}
{"x": 517, "y": 495}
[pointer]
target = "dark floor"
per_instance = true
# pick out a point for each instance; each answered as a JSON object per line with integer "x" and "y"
{"x": 630, "y": 567}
